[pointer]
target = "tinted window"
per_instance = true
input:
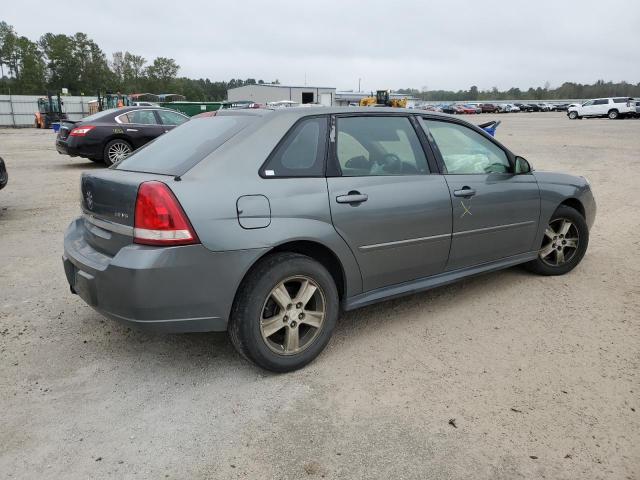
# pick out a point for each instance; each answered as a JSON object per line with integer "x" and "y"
{"x": 179, "y": 150}
{"x": 620, "y": 100}
{"x": 171, "y": 118}
{"x": 601, "y": 101}
{"x": 465, "y": 151}
{"x": 302, "y": 152}
{"x": 140, "y": 117}
{"x": 379, "y": 145}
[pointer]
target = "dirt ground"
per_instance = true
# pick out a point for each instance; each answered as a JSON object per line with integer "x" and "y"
{"x": 503, "y": 376}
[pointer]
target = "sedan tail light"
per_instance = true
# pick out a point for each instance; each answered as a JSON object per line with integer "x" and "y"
{"x": 159, "y": 218}
{"x": 81, "y": 131}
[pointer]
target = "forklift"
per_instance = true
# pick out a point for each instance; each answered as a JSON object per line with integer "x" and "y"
{"x": 382, "y": 99}
{"x": 49, "y": 111}
{"x": 109, "y": 100}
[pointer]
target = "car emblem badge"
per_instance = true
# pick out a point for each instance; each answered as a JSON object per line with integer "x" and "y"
{"x": 89, "y": 200}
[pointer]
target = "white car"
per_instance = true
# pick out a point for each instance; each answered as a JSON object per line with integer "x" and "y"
{"x": 603, "y": 107}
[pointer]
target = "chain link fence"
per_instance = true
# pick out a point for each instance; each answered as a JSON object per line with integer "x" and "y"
{"x": 19, "y": 110}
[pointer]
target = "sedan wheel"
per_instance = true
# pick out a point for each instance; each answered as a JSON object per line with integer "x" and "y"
{"x": 284, "y": 312}
{"x": 562, "y": 241}
{"x": 116, "y": 150}
{"x": 293, "y": 315}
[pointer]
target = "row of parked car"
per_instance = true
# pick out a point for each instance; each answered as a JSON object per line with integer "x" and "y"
{"x": 613, "y": 108}
{"x": 471, "y": 108}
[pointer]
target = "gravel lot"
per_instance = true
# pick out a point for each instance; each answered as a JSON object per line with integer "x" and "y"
{"x": 539, "y": 375}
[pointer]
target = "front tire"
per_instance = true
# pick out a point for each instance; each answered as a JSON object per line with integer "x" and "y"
{"x": 573, "y": 115}
{"x": 284, "y": 312}
{"x": 116, "y": 150}
{"x": 564, "y": 243}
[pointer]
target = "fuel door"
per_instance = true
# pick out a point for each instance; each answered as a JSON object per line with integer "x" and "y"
{"x": 254, "y": 211}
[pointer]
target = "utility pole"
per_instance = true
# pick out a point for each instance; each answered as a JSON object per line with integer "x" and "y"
{"x": 359, "y": 80}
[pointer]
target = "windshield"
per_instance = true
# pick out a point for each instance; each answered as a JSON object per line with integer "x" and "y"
{"x": 176, "y": 152}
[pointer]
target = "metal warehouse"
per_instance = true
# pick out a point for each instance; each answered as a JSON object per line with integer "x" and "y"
{"x": 265, "y": 93}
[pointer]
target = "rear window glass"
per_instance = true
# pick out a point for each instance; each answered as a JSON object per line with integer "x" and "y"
{"x": 176, "y": 152}
{"x": 99, "y": 115}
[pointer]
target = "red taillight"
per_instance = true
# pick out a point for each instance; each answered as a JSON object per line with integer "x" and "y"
{"x": 159, "y": 218}
{"x": 81, "y": 131}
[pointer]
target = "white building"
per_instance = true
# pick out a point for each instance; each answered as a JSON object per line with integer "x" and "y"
{"x": 267, "y": 92}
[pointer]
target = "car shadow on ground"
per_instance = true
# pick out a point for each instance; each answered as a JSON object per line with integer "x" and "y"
{"x": 201, "y": 349}
{"x": 82, "y": 166}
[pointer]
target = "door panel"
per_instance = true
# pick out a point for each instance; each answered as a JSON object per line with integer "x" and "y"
{"x": 402, "y": 231}
{"x": 499, "y": 221}
{"x": 495, "y": 213}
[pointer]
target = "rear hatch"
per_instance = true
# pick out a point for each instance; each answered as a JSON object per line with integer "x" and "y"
{"x": 108, "y": 206}
{"x": 109, "y": 196}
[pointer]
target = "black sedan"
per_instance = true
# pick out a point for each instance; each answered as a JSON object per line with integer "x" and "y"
{"x": 111, "y": 135}
{"x": 4, "y": 176}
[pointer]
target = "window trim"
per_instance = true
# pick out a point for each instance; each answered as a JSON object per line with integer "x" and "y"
{"x": 285, "y": 137}
{"x": 335, "y": 170}
{"x": 443, "y": 168}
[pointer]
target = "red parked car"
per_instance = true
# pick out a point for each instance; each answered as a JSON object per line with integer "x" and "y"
{"x": 467, "y": 109}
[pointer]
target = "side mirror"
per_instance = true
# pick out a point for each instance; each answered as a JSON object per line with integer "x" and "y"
{"x": 522, "y": 166}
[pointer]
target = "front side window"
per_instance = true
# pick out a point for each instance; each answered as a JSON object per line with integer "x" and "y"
{"x": 171, "y": 118}
{"x": 465, "y": 151}
{"x": 302, "y": 152}
{"x": 588, "y": 103}
{"x": 601, "y": 101}
{"x": 377, "y": 145}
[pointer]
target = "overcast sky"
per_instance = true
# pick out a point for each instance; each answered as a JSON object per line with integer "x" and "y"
{"x": 448, "y": 44}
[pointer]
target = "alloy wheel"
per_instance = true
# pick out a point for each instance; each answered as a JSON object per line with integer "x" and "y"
{"x": 293, "y": 315}
{"x": 561, "y": 240}
{"x": 118, "y": 151}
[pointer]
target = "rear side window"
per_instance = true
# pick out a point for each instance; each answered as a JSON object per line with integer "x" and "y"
{"x": 139, "y": 117}
{"x": 302, "y": 152}
{"x": 601, "y": 101}
{"x": 182, "y": 148}
{"x": 620, "y": 100}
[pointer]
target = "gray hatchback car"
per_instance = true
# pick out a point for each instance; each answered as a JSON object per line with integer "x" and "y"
{"x": 267, "y": 224}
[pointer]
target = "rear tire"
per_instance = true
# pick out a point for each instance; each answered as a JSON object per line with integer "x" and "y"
{"x": 613, "y": 114}
{"x": 270, "y": 325}
{"x": 116, "y": 150}
{"x": 564, "y": 243}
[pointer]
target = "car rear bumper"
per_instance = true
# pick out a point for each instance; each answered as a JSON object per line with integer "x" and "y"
{"x": 170, "y": 289}
{"x": 79, "y": 148}
{"x": 4, "y": 176}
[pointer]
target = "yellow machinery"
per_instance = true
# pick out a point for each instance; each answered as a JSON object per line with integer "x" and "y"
{"x": 49, "y": 111}
{"x": 382, "y": 99}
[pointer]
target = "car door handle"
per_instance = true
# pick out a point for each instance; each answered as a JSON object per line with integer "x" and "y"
{"x": 465, "y": 192}
{"x": 352, "y": 197}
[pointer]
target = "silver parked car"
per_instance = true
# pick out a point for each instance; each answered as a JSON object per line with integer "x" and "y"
{"x": 268, "y": 223}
